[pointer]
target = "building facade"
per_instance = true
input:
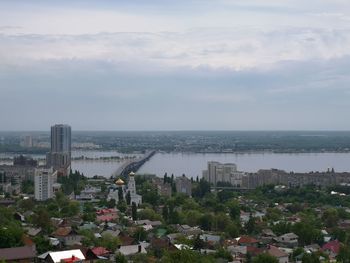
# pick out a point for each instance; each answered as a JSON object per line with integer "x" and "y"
{"x": 60, "y": 155}
{"x": 131, "y": 188}
{"x": 227, "y": 173}
{"x": 44, "y": 180}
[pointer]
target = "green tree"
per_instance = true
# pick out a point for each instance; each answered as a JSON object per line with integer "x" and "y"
{"x": 140, "y": 234}
{"x": 165, "y": 213}
{"x": 128, "y": 198}
{"x": 134, "y": 211}
{"x": 120, "y": 194}
{"x": 344, "y": 254}
{"x": 250, "y": 226}
{"x": 330, "y": 217}
{"x": 108, "y": 241}
{"x": 122, "y": 206}
{"x": 11, "y": 236}
{"x": 42, "y": 245}
{"x": 265, "y": 258}
{"x": 111, "y": 203}
{"x": 120, "y": 258}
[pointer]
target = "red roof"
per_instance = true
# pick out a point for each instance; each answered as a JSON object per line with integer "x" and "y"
{"x": 333, "y": 246}
{"x": 100, "y": 251}
{"x": 255, "y": 251}
{"x": 72, "y": 259}
{"x": 104, "y": 218}
{"x": 247, "y": 240}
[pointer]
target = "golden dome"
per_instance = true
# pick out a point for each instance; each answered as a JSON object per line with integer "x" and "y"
{"x": 132, "y": 174}
{"x": 119, "y": 182}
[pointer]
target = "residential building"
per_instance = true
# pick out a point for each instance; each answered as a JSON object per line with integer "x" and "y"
{"x": 290, "y": 240}
{"x": 75, "y": 255}
{"x": 18, "y": 254}
{"x": 44, "y": 180}
{"x": 67, "y": 236}
{"x": 227, "y": 173}
{"x": 183, "y": 185}
{"x": 60, "y": 155}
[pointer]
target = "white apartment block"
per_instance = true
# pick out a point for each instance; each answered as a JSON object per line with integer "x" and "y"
{"x": 218, "y": 172}
{"x": 44, "y": 179}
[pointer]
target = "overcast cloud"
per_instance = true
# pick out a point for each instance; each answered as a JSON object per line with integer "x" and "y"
{"x": 175, "y": 65}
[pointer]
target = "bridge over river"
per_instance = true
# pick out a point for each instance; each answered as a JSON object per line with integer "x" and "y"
{"x": 133, "y": 165}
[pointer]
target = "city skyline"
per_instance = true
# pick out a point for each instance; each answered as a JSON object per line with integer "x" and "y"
{"x": 184, "y": 65}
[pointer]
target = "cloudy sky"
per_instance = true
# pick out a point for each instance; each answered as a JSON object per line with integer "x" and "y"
{"x": 175, "y": 65}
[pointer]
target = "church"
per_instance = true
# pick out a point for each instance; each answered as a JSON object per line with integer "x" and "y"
{"x": 130, "y": 187}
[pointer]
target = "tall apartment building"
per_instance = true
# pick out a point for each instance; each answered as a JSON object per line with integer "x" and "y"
{"x": 218, "y": 172}
{"x": 44, "y": 180}
{"x": 60, "y": 155}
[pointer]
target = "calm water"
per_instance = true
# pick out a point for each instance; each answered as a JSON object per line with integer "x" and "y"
{"x": 87, "y": 167}
{"x": 194, "y": 164}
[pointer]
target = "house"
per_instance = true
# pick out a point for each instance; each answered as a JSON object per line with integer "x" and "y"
{"x": 162, "y": 243}
{"x": 148, "y": 222}
{"x": 67, "y": 236}
{"x": 290, "y": 240}
{"x": 133, "y": 249}
{"x": 211, "y": 239}
{"x": 101, "y": 252}
{"x": 277, "y": 253}
{"x": 68, "y": 256}
{"x": 267, "y": 236}
{"x": 188, "y": 231}
{"x": 18, "y": 254}
{"x": 247, "y": 241}
{"x": 19, "y": 217}
{"x": 331, "y": 248}
{"x": 106, "y": 215}
{"x": 31, "y": 231}
{"x": 111, "y": 233}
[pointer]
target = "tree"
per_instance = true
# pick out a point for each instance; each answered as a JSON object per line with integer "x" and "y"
{"x": 120, "y": 258}
{"x": 42, "y": 244}
{"x": 120, "y": 194}
{"x": 165, "y": 213}
{"x": 128, "y": 198}
{"x": 310, "y": 258}
{"x": 134, "y": 211}
{"x": 11, "y": 236}
{"x": 42, "y": 219}
{"x": 206, "y": 222}
{"x": 198, "y": 243}
{"x": 232, "y": 230}
{"x": 330, "y": 217}
{"x": 250, "y": 226}
{"x": 234, "y": 210}
{"x": 111, "y": 203}
{"x": 186, "y": 256}
{"x": 265, "y": 258}
{"x": 344, "y": 254}
{"x": 122, "y": 206}
{"x": 140, "y": 234}
{"x": 108, "y": 241}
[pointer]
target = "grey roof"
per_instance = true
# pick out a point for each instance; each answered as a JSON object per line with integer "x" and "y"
{"x": 17, "y": 253}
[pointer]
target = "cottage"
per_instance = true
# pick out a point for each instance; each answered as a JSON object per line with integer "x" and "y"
{"x": 68, "y": 256}
{"x": 18, "y": 254}
{"x": 290, "y": 240}
{"x": 67, "y": 236}
{"x": 279, "y": 254}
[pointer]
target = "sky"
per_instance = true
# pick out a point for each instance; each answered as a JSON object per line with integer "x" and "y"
{"x": 175, "y": 65}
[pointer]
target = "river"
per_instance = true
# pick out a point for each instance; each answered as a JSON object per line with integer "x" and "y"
{"x": 192, "y": 164}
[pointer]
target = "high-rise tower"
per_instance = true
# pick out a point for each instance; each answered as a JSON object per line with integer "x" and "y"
{"x": 60, "y": 155}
